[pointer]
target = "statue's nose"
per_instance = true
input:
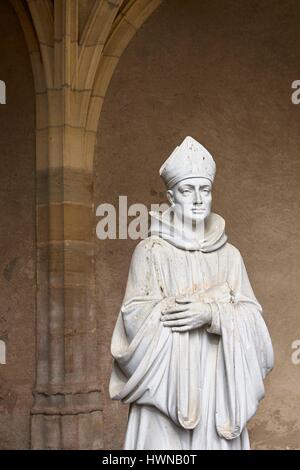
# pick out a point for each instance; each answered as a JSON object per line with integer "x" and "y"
{"x": 197, "y": 198}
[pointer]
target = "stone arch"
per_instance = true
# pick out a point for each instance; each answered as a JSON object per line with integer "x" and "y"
{"x": 110, "y": 26}
{"x": 127, "y": 23}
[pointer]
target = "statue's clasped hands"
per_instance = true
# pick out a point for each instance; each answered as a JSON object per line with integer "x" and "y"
{"x": 186, "y": 314}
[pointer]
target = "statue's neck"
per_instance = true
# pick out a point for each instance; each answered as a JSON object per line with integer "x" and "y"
{"x": 190, "y": 228}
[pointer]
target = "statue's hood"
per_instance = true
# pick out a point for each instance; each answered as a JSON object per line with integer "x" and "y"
{"x": 213, "y": 239}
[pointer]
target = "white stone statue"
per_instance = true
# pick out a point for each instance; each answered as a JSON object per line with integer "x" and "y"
{"x": 190, "y": 346}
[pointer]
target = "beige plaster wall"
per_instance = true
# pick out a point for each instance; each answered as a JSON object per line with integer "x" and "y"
{"x": 17, "y": 233}
{"x": 221, "y": 71}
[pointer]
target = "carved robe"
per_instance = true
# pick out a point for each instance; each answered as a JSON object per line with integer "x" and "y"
{"x": 197, "y": 389}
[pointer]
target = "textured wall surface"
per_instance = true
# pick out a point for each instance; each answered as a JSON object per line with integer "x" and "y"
{"x": 220, "y": 71}
{"x": 17, "y": 233}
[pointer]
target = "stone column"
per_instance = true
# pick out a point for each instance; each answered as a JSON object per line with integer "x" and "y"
{"x": 67, "y": 398}
{"x": 74, "y": 47}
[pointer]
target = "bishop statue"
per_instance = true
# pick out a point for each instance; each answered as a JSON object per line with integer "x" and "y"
{"x": 191, "y": 348}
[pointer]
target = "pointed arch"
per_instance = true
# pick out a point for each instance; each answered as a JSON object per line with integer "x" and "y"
{"x": 125, "y": 26}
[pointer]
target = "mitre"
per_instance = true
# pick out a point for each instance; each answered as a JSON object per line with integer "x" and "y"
{"x": 188, "y": 160}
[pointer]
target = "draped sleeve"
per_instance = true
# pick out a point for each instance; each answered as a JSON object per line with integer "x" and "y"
{"x": 245, "y": 353}
{"x": 141, "y": 346}
{"x": 131, "y": 337}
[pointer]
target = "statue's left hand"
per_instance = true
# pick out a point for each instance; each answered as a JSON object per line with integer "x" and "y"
{"x": 186, "y": 315}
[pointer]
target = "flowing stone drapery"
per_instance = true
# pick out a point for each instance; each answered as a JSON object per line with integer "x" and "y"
{"x": 198, "y": 389}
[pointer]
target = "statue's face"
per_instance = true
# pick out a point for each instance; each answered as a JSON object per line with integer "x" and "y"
{"x": 191, "y": 199}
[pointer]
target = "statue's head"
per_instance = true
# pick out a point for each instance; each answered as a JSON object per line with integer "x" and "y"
{"x": 191, "y": 198}
{"x": 188, "y": 174}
